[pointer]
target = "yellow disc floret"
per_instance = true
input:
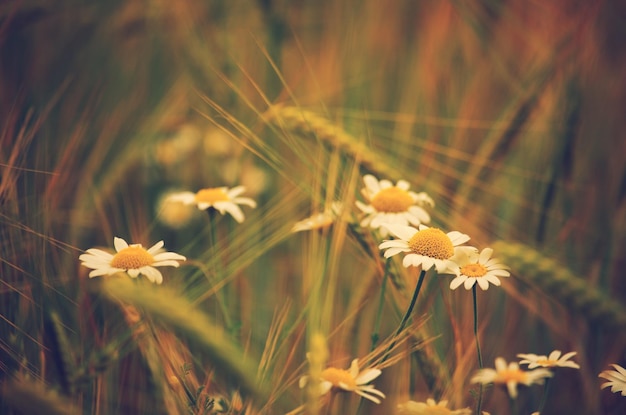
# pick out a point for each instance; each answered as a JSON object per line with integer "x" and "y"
{"x": 437, "y": 410}
{"x": 511, "y": 375}
{"x": 211, "y": 195}
{"x": 337, "y": 376}
{"x": 474, "y": 270}
{"x": 392, "y": 200}
{"x": 433, "y": 243}
{"x": 133, "y": 257}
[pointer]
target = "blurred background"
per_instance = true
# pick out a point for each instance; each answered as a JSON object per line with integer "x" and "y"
{"x": 508, "y": 113}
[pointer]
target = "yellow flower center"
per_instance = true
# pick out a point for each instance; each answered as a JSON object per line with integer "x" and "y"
{"x": 392, "y": 200}
{"x": 474, "y": 270}
{"x": 336, "y": 376}
{"x": 545, "y": 362}
{"x": 509, "y": 375}
{"x": 211, "y": 195}
{"x": 133, "y": 257}
{"x": 433, "y": 243}
{"x": 438, "y": 410}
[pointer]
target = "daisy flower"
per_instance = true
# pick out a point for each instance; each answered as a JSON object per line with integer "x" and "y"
{"x": 319, "y": 221}
{"x": 553, "y": 360}
{"x": 427, "y": 247}
{"x": 351, "y": 380}
{"x": 392, "y": 204}
{"x": 510, "y": 376}
{"x": 616, "y": 379}
{"x": 430, "y": 407}
{"x": 132, "y": 259}
{"x": 478, "y": 268}
{"x": 221, "y": 199}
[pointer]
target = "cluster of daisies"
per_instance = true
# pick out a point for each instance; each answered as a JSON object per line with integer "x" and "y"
{"x": 400, "y": 212}
{"x": 389, "y": 210}
{"x": 134, "y": 259}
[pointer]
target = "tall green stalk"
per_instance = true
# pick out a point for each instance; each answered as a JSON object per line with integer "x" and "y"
{"x": 480, "y": 357}
{"x": 407, "y": 315}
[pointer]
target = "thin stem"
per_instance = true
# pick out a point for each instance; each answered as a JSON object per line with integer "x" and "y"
{"x": 544, "y": 397}
{"x": 480, "y": 357}
{"x": 512, "y": 405}
{"x": 212, "y": 244}
{"x": 407, "y": 315}
{"x": 381, "y": 301}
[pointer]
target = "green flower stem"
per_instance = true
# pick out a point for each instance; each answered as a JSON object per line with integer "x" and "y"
{"x": 381, "y": 301}
{"x": 407, "y": 315}
{"x": 480, "y": 357}
{"x": 512, "y": 405}
{"x": 212, "y": 244}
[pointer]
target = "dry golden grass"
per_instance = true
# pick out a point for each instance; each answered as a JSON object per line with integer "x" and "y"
{"x": 508, "y": 113}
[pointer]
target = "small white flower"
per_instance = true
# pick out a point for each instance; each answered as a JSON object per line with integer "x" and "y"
{"x": 321, "y": 220}
{"x": 481, "y": 269}
{"x": 351, "y": 380}
{"x": 427, "y": 247}
{"x": 391, "y": 204}
{"x": 553, "y": 360}
{"x": 221, "y": 199}
{"x": 616, "y": 379}
{"x": 132, "y": 259}
{"x": 510, "y": 375}
{"x": 430, "y": 407}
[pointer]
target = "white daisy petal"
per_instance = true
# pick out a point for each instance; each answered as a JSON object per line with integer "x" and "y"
{"x": 119, "y": 244}
{"x": 456, "y": 283}
{"x": 155, "y": 248}
{"x": 403, "y": 232}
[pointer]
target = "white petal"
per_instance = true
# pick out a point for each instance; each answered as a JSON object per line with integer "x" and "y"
{"x": 401, "y": 231}
{"x": 166, "y": 263}
{"x": 163, "y": 256}
{"x": 394, "y": 243}
{"x": 119, "y": 244}
{"x": 500, "y": 273}
{"x": 371, "y": 183}
{"x": 235, "y": 191}
{"x": 102, "y": 271}
{"x": 458, "y": 238}
{"x": 155, "y": 248}
{"x": 99, "y": 253}
{"x": 187, "y": 198}
{"x": 469, "y": 283}
{"x": 354, "y": 368}
{"x": 493, "y": 279}
{"x": 153, "y": 274}
{"x": 364, "y": 208}
{"x": 235, "y": 212}
{"x": 403, "y": 184}
{"x": 482, "y": 283}
{"x": 455, "y": 283}
{"x": 245, "y": 201}
{"x": 303, "y": 381}
{"x": 485, "y": 255}
{"x": 385, "y": 184}
{"x": 394, "y": 251}
{"x": 367, "y": 376}
{"x": 366, "y": 396}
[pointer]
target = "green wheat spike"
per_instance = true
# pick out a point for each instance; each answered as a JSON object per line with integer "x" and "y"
{"x": 305, "y": 123}
{"x": 35, "y": 398}
{"x": 562, "y": 285}
{"x": 168, "y": 307}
